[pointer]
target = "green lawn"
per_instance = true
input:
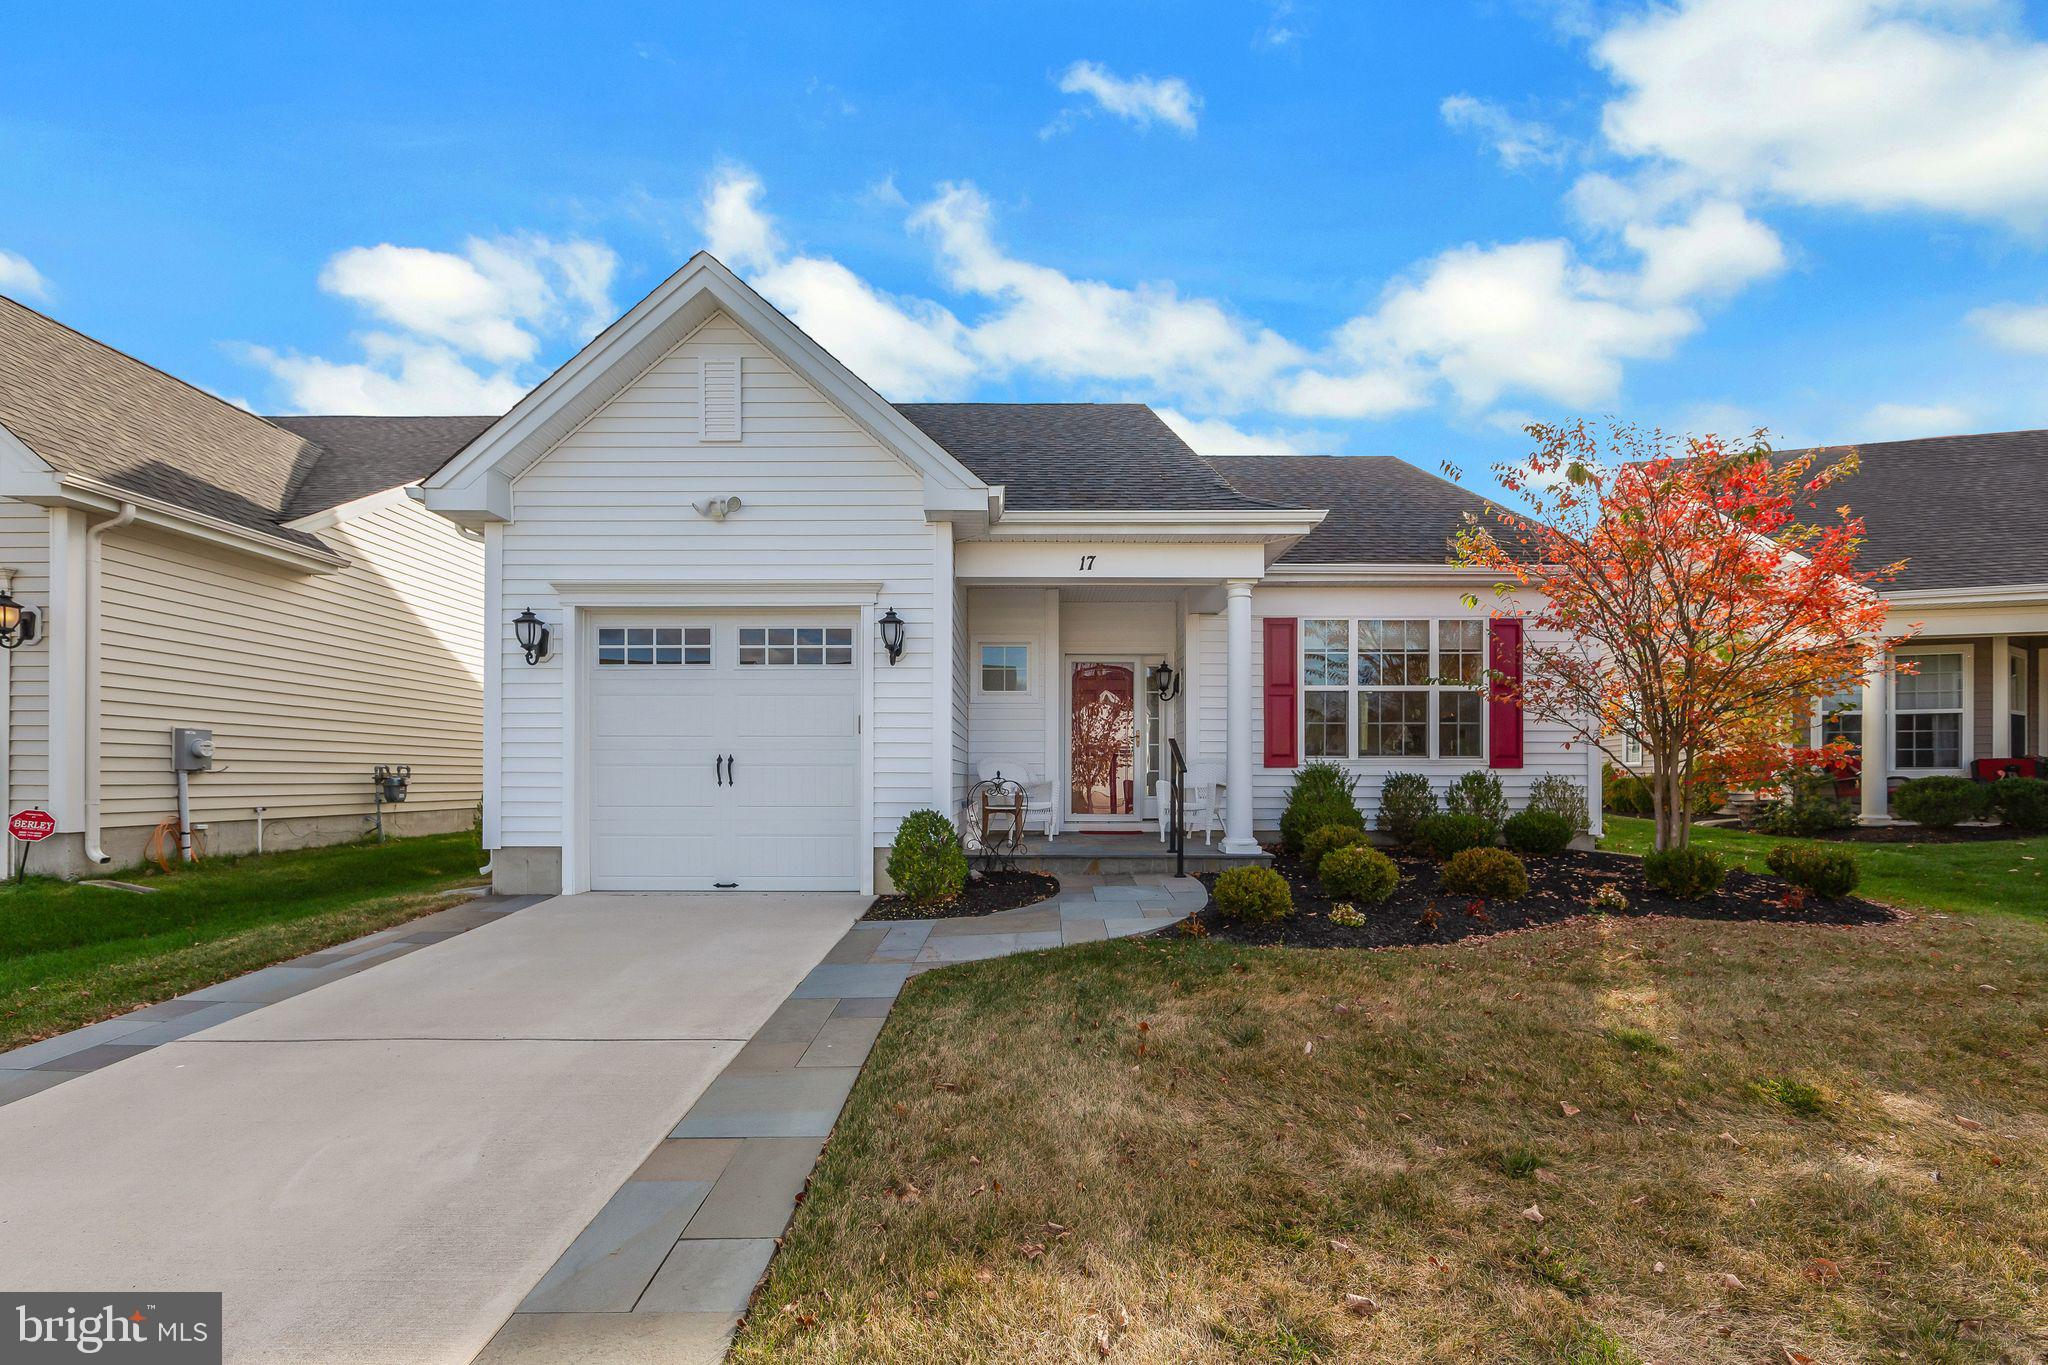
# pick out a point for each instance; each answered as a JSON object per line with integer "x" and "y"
{"x": 2006, "y": 875}
{"x": 71, "y": 955}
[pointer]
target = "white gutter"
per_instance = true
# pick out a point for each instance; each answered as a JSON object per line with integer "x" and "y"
{"x": 91, "y": 626}
{"x": 91, "y": 495}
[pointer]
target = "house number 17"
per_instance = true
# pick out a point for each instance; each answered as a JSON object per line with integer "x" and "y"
{"x": 1087, "y": 563}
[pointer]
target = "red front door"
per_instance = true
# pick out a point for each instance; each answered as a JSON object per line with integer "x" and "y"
{"x": 1103, "y": 740}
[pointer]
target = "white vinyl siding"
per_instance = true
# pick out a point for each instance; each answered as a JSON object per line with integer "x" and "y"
{"x": 308, "y": 681}
{"x": 1012, "y": 729}
{"x": 25, "y": 548}
{"x": 822, "y": 502}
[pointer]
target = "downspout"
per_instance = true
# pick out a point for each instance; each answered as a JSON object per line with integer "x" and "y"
{"x": 91, "y": 626}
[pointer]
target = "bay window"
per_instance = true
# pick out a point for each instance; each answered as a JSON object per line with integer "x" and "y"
{"x": 1376, "y": 687}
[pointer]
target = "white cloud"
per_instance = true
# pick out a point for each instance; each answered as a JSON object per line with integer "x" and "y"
{"x": 457, "y": 327}
{"x": 395, "y": 377}
{"x": 1716, "y": 252}
{"x": 1516, "y": 141}
{"x": 1142, "y": 100}
{"x": 491, "y": 301}
{"x": 1283, "y": 27}
{"x": 1871, "y": 104}
{"x": 1215, "y": 436}
{"x": 2015, "y": 326}
{"x": 1903, "y": 421}
{"x": 21, "y": 279}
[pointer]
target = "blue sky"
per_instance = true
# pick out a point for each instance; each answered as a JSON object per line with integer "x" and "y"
{"x": 1400, "y": 229}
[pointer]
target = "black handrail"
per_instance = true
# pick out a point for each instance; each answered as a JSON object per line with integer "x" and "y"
{"x": 1176, "y": 806}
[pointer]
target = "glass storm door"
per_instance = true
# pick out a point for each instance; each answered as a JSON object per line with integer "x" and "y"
{"x": 1103, "y": 774}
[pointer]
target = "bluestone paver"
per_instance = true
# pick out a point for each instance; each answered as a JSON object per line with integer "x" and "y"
{"x": 708, "y": 1276}
{"x": 689, "y": 1159}
{"x": 610, "y": 1262}
{"x": 92, "y": 1058}
{"x": 864, "y": 1007}
{"x": 843, "y": 1042}
{"x": 786, "y": 1104}
{"x": 756, "y": 1193}
{"x": 611, "y": 1339}
{"x": 834, "y": 981}
{"x": 19, "y": 1085}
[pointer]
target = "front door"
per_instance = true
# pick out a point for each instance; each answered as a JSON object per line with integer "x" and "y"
{"x": 1105, "y": 755}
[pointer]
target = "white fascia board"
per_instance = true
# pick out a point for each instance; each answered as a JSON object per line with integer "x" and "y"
{"x": 91, "y": 495}
{"x": 1381, "y": 574}
{"x": 1258, "y": 524}
{"x": 630, "y": 592}
{"x": 485, "y": 499}
{"x": 650, "y": 329}
{"x": 2002, "y": 595}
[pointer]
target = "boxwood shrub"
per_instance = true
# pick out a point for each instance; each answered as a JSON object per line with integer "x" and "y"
{"x": 1358, "y": 872}
{"x": 1538, "y": 833}
{"x": 1942, "y": 802}
{"x": 1322, "y": 842}
{"x": 1687, "y": 874}
{"x": 1321, "y": 796}
{"x": 1405, "y": 801}
{"x": 926, "y": 863}
{"x": 1446, "y": 834}
{"x": 1493, "y": 873}
{"x": 1256, "y": 895}
{"x": 2021, "y": 803}
{"x": 1821, "y": 870}
{"x": 1478, "y": 793}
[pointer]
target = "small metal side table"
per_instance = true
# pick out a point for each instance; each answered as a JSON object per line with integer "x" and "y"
{"x": 999, "y": 809}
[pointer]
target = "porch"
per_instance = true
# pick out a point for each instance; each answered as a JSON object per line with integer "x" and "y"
{"x": 1140, "y": 854}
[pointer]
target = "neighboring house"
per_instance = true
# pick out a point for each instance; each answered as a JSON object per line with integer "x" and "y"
{"x": 1965, "y": 513}
{"x": 720, "y": 527}
{"x": 192, "y": 565}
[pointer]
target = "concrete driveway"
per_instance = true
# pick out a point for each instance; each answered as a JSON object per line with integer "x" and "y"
{"x": 379, "y": 1169}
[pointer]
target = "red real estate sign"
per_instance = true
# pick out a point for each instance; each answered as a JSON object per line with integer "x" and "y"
{"x": 31, "y": 825}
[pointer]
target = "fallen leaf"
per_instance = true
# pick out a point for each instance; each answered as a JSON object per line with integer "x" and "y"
{"x": 1570, "y": 1110}
{"x": 1358, "y": 1305}
{"x": 1729, "y": 1281}
{"x": 1545, "y": 1176}
{"x": 1031, "y": 1251}
{"x": 1793, "y": 1357}
{"x": 1339, "y": 1244}
{"x": 1533, "y": 1214}
{"x": 1658, "y": 1267}
{"x": 1821, "y": 1270}
{"x": 1102, "y": 1343}
{"x": 1969, "y": 1125}
{"x": 984, "y": 1276}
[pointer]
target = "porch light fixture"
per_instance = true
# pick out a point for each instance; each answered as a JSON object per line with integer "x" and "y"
{"x": 892, "y": 635}
{"x": 532, "y": 634}
{"x": 1165, "y": 681}
{"x": 17, "y": 623}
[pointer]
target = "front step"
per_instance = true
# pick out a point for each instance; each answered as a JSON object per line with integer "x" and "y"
{"x": 1103, "y": 862}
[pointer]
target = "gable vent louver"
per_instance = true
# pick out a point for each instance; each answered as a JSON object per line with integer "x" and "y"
{"x": 721, "y": 398}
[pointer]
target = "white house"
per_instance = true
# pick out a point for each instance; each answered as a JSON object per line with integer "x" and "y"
{"x": 719, "y": 527}
{"x": 185, "y": 565}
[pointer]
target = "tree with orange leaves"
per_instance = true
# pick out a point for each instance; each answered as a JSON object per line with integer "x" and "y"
{"x": 1693, "y": 596}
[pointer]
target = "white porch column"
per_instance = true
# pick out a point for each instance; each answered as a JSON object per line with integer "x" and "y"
{"x": 1877, "y": 743}
{"x": 1237, "y": 806}
{"x": 2002, "y": 698}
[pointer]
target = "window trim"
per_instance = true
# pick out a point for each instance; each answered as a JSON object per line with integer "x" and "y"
{"x": 1354, "y": 690}
{"x": 1966, "y": 722}
{"x": 1030, "y": 688}
{"x": 740, "y": 647}
{"x": 710, "y": 645}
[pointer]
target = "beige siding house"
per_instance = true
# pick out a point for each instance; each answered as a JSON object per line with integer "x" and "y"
{"x": 193, "y": 566}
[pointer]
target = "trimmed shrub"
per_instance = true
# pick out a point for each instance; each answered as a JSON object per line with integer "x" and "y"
{"x": 1348, "y": 915}
{"x": 1538, "y": 833}
{"x": 1478, "y": 792}
{"x": 1321, "y": 796}
{"x": 1687, "y": 874}
{"x": 1493, "y": 873}
{"x": 1623, "y": 793}
{"x": 1942, "y": 802}
{"x": 926, "y": 863}
{"x": 1823, "y": 871}
{"x": 1446, "y": 835}
{"x": 2021, "y": 803}
{"x": 1558, "y": 794}
{"x": 1256, "y": 895}
{"x": 1320, "y": 843}
{"x": 1809, "y": 806}
{"x": 1405, "y": 801}
{"x": 1357, "y": 872}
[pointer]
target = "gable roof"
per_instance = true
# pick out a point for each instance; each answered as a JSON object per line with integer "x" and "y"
{"x": 1962, "y": 511}
{"x": 89, "y": 411}
{"x": 365, "y": 455}
{"x": 1382, "y": 510}
{"x": 1078, "y": 456}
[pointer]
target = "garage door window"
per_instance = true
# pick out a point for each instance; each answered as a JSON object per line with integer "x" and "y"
{"x": 796, "y": 646}
{"x": 627, "y": 645}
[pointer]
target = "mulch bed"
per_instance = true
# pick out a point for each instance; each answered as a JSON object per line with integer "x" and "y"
{"x": 987, "y": 893}
{"x": 1421, "y": 912}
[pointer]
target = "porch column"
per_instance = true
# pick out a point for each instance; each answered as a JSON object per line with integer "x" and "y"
{"x": 1877, "y": 743}
{"x": 2001, "y": 696}
{"x": 1237, "y": 805}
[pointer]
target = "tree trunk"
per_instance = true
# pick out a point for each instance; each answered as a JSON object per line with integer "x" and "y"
{"x": 1669, "y": 804}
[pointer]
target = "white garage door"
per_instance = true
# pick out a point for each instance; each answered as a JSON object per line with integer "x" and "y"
{"x": 724, "y": 752}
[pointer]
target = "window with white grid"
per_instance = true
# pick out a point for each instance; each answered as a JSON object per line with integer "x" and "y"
{"x": 1382, "y": 687}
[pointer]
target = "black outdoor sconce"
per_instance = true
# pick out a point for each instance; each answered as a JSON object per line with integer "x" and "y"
{"x": 892, "y": 634}
{"x": 532, "y": 634}
{"x": 17, "y": 623}
{"x": 1165, "y": 681}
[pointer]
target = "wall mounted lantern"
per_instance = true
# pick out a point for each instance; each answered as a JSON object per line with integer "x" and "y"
{"x": 532, "y": 634}
{"x": 17, "y": 623}
{"x": 892, "y": 634}
{"x": 1165, "y": 681}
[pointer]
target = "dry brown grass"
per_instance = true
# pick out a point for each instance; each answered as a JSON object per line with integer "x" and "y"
{"x": 1186, "y": 1151}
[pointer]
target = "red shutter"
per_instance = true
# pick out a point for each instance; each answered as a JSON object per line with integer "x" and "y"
{"x": 1282, "y": 693}
{"x": 1503, "y": 714}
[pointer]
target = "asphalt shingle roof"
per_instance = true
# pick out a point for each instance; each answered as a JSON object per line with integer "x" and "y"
{"x": 365, "y": 455}
{"x": 1081, "y": 457}
{"x": 1382, "y": 510}
{"x": 1962, "y": 511}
